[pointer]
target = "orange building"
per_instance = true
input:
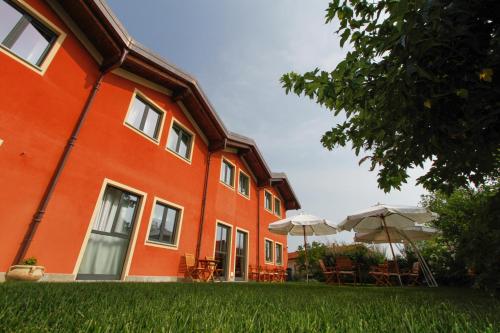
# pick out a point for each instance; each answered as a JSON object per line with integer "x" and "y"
{"x": 113, "y": 163}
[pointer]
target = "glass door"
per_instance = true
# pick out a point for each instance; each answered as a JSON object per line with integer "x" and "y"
{"x": 110, "y": 236}
{"x": 240, "y": 263}
{"x": 222, "y": 241}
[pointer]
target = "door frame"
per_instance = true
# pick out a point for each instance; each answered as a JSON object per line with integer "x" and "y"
{"x": 245, "y": 278}
{"x": 135, "y": 230}
{"x": 229, "y": 247}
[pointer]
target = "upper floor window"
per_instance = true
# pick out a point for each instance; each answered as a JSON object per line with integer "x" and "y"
{"x": 180, "y": 141}
{"x": 164, "y": 224}
{"x": 269, "y": 250}
{"x": 24, "y": 35}
{"x": 277, "y": 206}
{"x": 268, "y": 201}
{"x": 227, "y": 173}
{"x": 145, "y": 117}
{"x": 244, "y": 184}
{"x": 279, "y": 254}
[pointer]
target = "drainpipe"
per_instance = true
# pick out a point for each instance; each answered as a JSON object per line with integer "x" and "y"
{"x": 258, "y": 232}
{"x": 203, "y": 204}
{"x": 37, "y": 218}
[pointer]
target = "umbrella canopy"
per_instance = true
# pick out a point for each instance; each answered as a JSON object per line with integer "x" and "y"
{"x": 378, "y": 216}
{"x": 303, "y": 223}
{"x": 415, "y": 233}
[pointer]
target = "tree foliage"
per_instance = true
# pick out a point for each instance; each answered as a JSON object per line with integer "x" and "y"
{"x": 469, "y": 246}
{"x": 420, "y": 83}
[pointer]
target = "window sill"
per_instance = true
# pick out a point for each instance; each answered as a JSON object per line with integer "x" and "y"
{"x": 227, "y": 185}
{"x": 173, "y": 152}
{"x": 155, "y": 141}
{"x": 161, "y": 245}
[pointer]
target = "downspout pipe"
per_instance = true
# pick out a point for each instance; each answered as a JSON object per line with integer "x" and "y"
{"x": 258, "y": 233}
{"x": 203, "y": 205}
{"x": 47, "y": 196}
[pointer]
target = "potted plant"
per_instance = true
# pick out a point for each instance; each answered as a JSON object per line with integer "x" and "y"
{"x": 28, "y": 271}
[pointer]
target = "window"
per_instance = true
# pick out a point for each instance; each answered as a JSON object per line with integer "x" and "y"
{"x": 244, "y": 185}
{"x": 268, "y": 201}
{"x": 164, "y": 224}
{"x": 23, "y": 35}
{"x": 180, "y": 141}
{"x": 145, "y": 118}
{"x": 227, "y": 173}
{"x": 269, "y": 250}
{"x": 277, "y": 206}
{"x": 279, "y": 254}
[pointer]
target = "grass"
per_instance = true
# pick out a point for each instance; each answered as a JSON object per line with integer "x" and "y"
{"x": 126, "y": 307}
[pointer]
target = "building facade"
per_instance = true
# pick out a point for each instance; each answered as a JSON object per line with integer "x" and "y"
{"x": 113, "y": 163}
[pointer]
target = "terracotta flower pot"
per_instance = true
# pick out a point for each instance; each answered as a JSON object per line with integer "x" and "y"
{"x": 25, "y": 273}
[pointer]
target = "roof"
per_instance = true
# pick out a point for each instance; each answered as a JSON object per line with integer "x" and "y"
{"x": 293, "y": 255}
{"x": 110, "y": 38}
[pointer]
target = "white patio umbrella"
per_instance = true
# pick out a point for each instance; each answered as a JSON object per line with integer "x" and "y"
{"x": 303, "y": 225}
{"x": 385, "y": 217}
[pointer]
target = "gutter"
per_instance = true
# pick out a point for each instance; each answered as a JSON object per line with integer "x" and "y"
{"x": 47, "y": 196}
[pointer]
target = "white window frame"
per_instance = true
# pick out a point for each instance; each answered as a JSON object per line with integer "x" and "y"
{"x": 276, "y": 258}
{"x": 60, "y": 36}
{"x": 231, "y": 186}
{"x": 272, "y": 251}
{"x": 271, "y": 210}
{"x": 149, "y": 242}
{"x": 138, "y": 93}
{"x": 239, "y": 184}
{"x": 176, "y": 122}
{"x": 274, "y": 206}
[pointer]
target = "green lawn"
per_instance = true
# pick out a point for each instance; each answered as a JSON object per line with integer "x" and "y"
{"x": 232, "y": 307}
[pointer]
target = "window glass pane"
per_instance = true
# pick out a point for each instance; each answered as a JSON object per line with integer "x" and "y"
{"x": 154, "y": 231}
{"x": 23, "y": 35}
{"x": 278, "y": 253}
{"x": 151, "y": 123}
{"x": 244, "y": 184}
{"x": 184, "y": 144}
{"x": 174, "y": 138}
{"x": 9, "y": 16}
{"x": 126, "y": 214}
{"x": 269, "y": 251}
{"x": 227, "y": 175}
{"x": 170, "y": 226}
{"x": 268, "y": 201}
{"x": 31, "y": 45}
{"x": 109, "y": 207}
{"x": 277, "y": 206}
{"x": 136, "y": 113}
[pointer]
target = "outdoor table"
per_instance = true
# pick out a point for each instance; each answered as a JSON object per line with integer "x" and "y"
{"x": 209, "y": 266}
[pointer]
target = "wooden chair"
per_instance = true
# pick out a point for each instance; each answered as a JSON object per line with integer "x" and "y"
{"x": 328, "y": 272}
{"x": 253, "y": 273}
{"x": 380, "y": 274}
{"x": 282, "y": 275}
{"x": 412, "y": 276}
{"x": 344, "y": 267}
{"x": 192, "y": 270}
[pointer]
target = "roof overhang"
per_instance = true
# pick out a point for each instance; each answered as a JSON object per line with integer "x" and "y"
{"x": 110, "y": 38}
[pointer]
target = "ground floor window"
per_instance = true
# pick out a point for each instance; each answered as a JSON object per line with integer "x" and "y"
{"x": 164, "y": 224}
{"x": 279, "y": 254}
{"x": 222, "y": 247}
{"x": 269, "y": 250}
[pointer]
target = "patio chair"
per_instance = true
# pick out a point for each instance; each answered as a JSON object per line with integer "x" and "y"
{"x": 412, "y": 276}
{"x": 253, "y": 273}
{"x": 380, "y": 274}
{"x": 328, "y": 272}
{"x": 282, "y": 275}
{"x": 192, "y": 270}
{"x": 344, "y": 267}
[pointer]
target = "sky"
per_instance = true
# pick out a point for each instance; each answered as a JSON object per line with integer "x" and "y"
{"x": 238, "y": 50}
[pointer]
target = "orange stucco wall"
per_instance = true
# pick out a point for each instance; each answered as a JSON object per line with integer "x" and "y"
{"x": 37, "y": 115}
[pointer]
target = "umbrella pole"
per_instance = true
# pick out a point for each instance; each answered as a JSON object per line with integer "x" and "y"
{"x": 392, "y": 250}
{"x": 305, "y": 250}
{"x": 431, "y": 282}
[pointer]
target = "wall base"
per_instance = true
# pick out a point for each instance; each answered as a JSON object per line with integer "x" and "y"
{"x": 145, "y": 278}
